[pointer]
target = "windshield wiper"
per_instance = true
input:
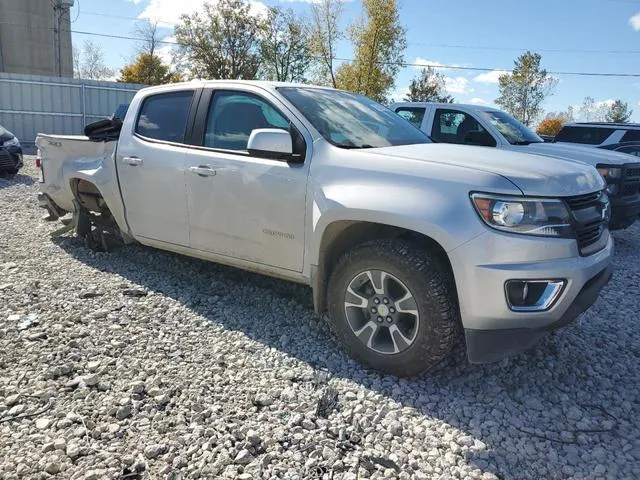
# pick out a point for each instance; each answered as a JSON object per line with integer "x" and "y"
{"x": 525, "y": 142}
{"x": 350, "y": 146}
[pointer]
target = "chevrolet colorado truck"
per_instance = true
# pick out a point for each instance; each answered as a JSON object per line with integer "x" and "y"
{"x": 406, "y": 244}
{"x": 489, "y": 127}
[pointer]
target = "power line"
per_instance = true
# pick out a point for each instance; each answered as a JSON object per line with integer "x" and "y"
{"x": 401, "y": 64}
{"x": 543, "y": 50}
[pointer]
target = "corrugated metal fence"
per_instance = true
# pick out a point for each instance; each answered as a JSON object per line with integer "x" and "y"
{"x": 31, "y": 104}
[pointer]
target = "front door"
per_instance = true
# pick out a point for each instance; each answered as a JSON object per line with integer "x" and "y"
{"x": 243, "y": 206}
{"x": 151, "y": 169}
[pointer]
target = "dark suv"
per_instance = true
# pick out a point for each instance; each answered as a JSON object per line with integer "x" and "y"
{"x": 10, "y": 152}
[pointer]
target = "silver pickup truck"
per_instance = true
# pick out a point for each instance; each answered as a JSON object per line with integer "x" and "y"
{"x": 405, "y": 243}
{"x": 490, "y": 127}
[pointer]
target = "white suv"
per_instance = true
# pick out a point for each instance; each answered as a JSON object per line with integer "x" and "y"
{"x": 598, "y": 134}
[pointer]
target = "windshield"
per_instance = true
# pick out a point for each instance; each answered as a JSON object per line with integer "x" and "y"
{"x": 348, "y": 120}
{"x": 515, "y": 132}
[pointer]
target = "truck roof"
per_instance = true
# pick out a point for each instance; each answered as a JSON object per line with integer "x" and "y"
{"x": 470, "y": 106}
{"x": 623, "y": 126}
{"x": 260, "y": 83}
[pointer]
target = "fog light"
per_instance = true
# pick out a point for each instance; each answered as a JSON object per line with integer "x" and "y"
{"x": 612, "y": 189}
{"x": 532, "y": 295}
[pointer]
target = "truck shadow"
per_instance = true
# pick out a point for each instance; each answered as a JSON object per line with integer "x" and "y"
{"x": 507, "y": 415}
{"x": 7, "y": 180}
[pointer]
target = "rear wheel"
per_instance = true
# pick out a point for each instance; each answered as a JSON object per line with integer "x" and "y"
{"x": 393, "y": 307}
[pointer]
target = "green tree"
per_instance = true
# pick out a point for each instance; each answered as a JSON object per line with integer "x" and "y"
{"x": 379, "y": 42}
{"x": 429, "y": 86}
{"x": 323, "y": 38}
{"x": 523, "y": 91}
{"x": 221, "y": 41}
{"x": 285, "y": 47}
{"x": 618, "y": 112}
{"x": 148, "y": 69}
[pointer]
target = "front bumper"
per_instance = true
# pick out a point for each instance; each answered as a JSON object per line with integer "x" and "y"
{"x": 483, "y": 266}
{"x": 485, "y": 346}
{"x": 10, "y": 159}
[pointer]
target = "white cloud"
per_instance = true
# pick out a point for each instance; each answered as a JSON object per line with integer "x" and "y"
{"x": 489, "y": 77}
{"x": 457, "y": 85}
{"x": 399, "y": 94}
{"x": 479, "y": 101}
{"x": 165, "y": 52}
{"x": 420, "y": 62}
{"x": 635, "y": 22}
{"x": 167, "y": 12}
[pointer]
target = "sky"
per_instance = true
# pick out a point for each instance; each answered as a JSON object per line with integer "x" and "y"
{"x": 586, "y": 36}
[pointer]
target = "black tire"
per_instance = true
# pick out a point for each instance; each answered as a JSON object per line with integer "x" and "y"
{"x": 429, "y": 281}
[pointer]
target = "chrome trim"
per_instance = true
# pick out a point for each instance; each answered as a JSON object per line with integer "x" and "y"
{"x": 546, "y": 300}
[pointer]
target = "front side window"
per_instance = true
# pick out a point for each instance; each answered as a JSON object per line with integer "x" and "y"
{"x": 586, "y": 135}
{"x": 348, "y": 120}
{"x": 511, "y": 129}
{"x": 234, "y": 115}
{"x": 413, "y": 115}
{"x": 454, "y": 126}
{"x": 164, "y": 116}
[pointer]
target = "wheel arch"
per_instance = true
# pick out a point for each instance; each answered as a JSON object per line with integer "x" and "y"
{"x": 343, "y": 235}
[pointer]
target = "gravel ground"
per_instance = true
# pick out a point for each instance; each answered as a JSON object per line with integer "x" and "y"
{"x": 217, "y": 373}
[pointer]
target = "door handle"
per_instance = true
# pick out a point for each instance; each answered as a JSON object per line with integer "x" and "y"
{"x": 203, "y": 171}
{"x": 133, "y": 161}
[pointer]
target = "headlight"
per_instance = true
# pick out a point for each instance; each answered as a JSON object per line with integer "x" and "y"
{"x": 530, "y": 216}
{"x": 12, "y": 142}
{"x": 610, "y": 172}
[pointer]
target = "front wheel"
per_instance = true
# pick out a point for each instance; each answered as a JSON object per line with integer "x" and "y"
{"x": 393, "y": 307}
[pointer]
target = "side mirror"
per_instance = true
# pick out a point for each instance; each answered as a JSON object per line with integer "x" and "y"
{"x": 272, "y": 143}
{"x": 477, "y": 137}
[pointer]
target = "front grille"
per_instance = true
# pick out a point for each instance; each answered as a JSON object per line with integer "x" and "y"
{"x": 6, "y": 161}
{"x": 589, "y": 222}
{"x": 633, "y": 172}
{"x": 581, "y": 201}
{"x": 630, "y": 182}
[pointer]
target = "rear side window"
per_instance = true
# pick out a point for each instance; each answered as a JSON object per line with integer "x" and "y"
{"x": 586, "y": 135}
{"x": 631, "y": 136}
{"x": 413, "y": 115}
{"x": 164, "y": 116}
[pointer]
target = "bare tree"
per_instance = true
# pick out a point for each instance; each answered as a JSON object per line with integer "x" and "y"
{"x": 325, "y": 34}
{"x": 89, "y": 63}
{"x": 149, "y": 39}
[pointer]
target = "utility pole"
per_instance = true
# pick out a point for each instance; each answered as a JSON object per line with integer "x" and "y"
{"x": 60, "y": 7}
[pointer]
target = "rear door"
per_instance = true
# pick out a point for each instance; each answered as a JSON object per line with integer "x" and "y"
{"x": 151, "y": 168}
{"x": 242, "y": 206}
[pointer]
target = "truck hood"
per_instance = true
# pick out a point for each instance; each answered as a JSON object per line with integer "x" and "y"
{"x": 564, "y": 151}
{"x": 532, "y": 174}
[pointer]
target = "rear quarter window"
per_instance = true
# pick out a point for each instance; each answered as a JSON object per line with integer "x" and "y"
{"x": 164, "y": 116}
{"x": 631, "y": 136}
{"x": 585, "y": 135}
